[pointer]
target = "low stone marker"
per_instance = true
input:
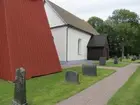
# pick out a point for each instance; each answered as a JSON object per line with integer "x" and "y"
{"x": 124, "y": 57}
{"x": 89, "y": 70}
{"x": 72, "y": 77}
{"x": 102, "y": 61}
{"x": 20, "y": 88}
{"x": 115, "y": 60}
{"x": 134, "y": 58}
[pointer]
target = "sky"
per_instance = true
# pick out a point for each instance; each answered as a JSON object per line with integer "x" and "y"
{"x": 100, "y": 8}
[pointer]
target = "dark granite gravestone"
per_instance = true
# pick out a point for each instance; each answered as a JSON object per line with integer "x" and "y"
{"x": 20, "y": 88}
{"x": 115, "y": 60}
{"x": 72, "y": 77}
{"x": 102, "y": 61}
{"x": 89, "y": 70}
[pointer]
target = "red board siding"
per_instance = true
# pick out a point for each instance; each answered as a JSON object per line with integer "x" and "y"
{"x": 27, "y": 38}
{"x": 4, "y": 52}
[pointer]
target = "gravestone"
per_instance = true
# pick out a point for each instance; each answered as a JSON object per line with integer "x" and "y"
{"x": 20, "y": 88}
{"x": 124, "y": 57}
{"x": 133, "y": 58}
{"x": 72, "y": 77}
{"x": 102, "y": 61}
{"x": 115, "y": 60}
{"x": 89, "y": 70}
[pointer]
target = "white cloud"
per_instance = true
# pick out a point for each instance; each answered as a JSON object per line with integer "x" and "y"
{"x": 100, "y": 8}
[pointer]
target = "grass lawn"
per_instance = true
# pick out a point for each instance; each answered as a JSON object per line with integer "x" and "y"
{"x": 120, "y": 64}
{"x": 110, "y": 63}
{"x": 48, "y": 90}
{"x": 129, "y": 94}
{"x": 137, "y": 61}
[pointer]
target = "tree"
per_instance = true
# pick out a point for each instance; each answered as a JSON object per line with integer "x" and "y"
{"x": 136, "y": 46}
{"x": 124, "y": 16}
{"x": 124, "y": 24}
{"x": 96, "y": 23}
{"x": 123, "y": 30}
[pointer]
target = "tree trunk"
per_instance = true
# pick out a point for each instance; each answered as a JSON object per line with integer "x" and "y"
{"x": 123, "y": 51}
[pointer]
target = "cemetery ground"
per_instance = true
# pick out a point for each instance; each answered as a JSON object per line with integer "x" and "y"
{"x": 49, "y": 90}
{"x": 110, "y": 63}
{"x": 129, "y": 93}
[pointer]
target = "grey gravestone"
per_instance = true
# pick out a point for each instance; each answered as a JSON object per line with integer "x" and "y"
{"x": 72, "y": 77}
{"x": 20, "y": 88}
{"x": 115, "y": 60}
{"x": 134, "y": 58}
{"x": 89, "y": 70}
{"x": 124, "y": 57}
{"x": 102, "y": 61}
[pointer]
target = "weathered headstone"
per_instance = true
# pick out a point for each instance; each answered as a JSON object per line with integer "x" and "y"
{"x": 89, "y": 70}
{"x": 102, "y": 61}
{"x": 124, "y": 57}
{"x": 133, "y": 58}
{"x": 20, "y": 88}
{"x": 72, "y": 77}
{"x": 115, "y": 60}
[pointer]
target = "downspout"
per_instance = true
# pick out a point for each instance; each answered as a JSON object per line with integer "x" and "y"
{"x": 67, "y": 44}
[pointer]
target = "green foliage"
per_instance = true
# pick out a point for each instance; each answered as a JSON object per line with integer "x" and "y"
{"x": 124, "y": 16}
{"x": 123, "y": 30}
{"x": 125, "y": 26}
{"x": 97, "y": 23}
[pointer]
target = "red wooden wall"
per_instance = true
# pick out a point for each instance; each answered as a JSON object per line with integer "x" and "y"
{"x": 26, "y": 40}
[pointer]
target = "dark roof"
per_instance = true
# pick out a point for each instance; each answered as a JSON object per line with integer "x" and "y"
{"x": 72, "y": 20}
{"x": 98, "y": 41}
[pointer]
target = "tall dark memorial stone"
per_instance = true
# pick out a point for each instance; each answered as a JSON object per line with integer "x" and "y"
{"x": 115, "y": 60}
{"x": 20, "y": 88}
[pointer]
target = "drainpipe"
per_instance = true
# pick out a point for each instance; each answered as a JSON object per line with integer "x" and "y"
{"x": 67, "y": 44}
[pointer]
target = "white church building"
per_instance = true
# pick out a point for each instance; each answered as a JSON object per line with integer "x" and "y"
{"x": 71, "y": 34}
